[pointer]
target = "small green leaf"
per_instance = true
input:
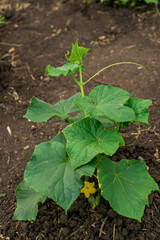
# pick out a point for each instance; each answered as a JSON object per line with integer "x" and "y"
{"x": 40, "y": 111}
{"x": 126, "y": 185}
{"x": 140, "y": 107}
{"x": 77, "y": 54}
{"x": 107, "y": 102}
{"x": 67, "y": 68}
{"x": 50, "y": 172}
{"x": 86, "y": 138}
{"x": 27, "y": 202}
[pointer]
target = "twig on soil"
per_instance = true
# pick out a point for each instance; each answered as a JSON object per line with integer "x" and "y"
{"x": 17, "y": 225}
{"x": 114, "y": 230}
{"x": 155, "y": 206}
{"x": 136, "y": 138}
{"x": 156, "y": 223}
{"x": 60, "y": 231}
{"x": 29, "y": 70}
{"x": 12, "y": 92}
{"x": 76, "y": 231}
{"x": 10, "y": 44}
{"x": 157, "y": 10}
{"x": 10, "y": 208}
{"x": 40, "y": 236}
{"x": 102, "y": 226}
{"x": 9, "y": 130}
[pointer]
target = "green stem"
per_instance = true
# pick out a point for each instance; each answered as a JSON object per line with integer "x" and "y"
{"x": 117, "y": 127}
{"x": 11, "y": 44}
{"x": 114, "y": 64}
{"x": 94, "y": 175}
{"x": 86, "y": 178}
{"x": 81, "y": 81}
{"x": 74, "y": 79}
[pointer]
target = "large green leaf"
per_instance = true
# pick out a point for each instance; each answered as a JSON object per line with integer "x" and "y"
{"x": 86, "y": 138}
{"x": 106, "y": 122}
{"x": 27, "y": 202}
{"x": 40, "y": 111}
{"x": 126, "y": 185}
{"x": 140, "y": 107}
{"x": 49, "y": 172}
{"x": 77, "y": 53}
{"x": 67, "y": 68}
{"x": 59, "y": 138}
{"x": 107, "y": 102}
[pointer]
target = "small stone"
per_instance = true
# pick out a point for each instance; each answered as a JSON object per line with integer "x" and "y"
{"x": 50, "y": 237}
{"x": 72, "y": 223}
{"x": 124, "y": 232}
{"x": 23, "y": 226}
{"x": 82, "y": 213}
{"x": 131, "y": 226}
{"x": 66, "y": 231}
{"x": 119, "y": 223}
{"x": 46, "y": 225}
{"x": 132, "y": 149}
{"x": 141, "y": 159}
{"x": 152, "y": 236}
{"x": 63, "y": 218}
{"x": 158, "y": 230}
{"x": 111, "y": 213}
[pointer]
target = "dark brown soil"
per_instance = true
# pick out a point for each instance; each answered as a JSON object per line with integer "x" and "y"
{"x": 46, "y": 30}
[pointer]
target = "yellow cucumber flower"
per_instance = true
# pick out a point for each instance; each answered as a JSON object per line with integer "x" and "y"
{"x": 88, "y": 189}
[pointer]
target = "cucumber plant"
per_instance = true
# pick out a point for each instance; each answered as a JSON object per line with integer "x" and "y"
{"x": 83, "y": 148}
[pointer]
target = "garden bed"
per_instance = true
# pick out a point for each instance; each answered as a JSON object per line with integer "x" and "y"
{"x": 45, "y": 31}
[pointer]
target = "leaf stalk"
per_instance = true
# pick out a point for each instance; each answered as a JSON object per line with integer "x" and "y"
{"x": 74, "y": 79}
{"x": 81, "y": 81}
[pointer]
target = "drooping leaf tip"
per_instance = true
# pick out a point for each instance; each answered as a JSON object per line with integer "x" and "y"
{"x": 47, "y": 70}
